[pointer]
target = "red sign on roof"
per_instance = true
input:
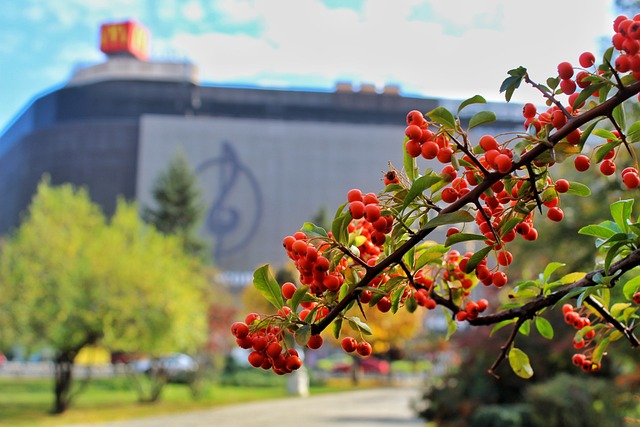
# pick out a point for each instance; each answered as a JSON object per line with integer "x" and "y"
{"x": 125, "y": 37}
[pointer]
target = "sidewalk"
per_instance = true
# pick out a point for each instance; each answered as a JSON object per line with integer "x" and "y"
{"x": 360, "y": 408}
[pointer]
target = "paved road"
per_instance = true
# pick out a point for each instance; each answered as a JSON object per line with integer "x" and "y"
{"x": 361, "y": 408}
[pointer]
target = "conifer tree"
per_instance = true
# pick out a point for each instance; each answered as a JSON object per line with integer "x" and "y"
{"x": 178, "y": 209}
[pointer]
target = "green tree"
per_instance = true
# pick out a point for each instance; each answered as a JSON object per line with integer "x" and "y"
{"x": 71, "y": 278}
{"x": 178, "y": 209}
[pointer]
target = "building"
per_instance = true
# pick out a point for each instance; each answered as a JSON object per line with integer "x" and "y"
{"x": 267, "y": 160}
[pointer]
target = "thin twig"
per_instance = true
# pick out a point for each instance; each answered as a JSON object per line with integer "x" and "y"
{"x": 505, "y": 348}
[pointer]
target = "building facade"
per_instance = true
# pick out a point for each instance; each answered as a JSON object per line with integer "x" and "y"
{"x": 266, "y": 160}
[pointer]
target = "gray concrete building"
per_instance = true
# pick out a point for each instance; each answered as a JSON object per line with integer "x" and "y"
{"x": 266, "y": 160}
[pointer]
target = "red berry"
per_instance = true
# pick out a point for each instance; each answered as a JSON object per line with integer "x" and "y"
{"x": 372, "y": 212}
{"x": 555, "y": 214}
{"x": 505, "y": 258}
{"x": 567, "y": 86}
{"x": 415, "y": 117}
{"x": 430, "y": 150}
{"x": 349, "y": 344}
{"x": 239, "y": 329}
{"x": 255, "y": 359}
{"x": 288, "y": 289}
{"x": 529, "y": 111}
{"x": 561, "y": 186}
{"x": 488, "y": 142}
{"x": 354, "y": 195}
{"x": 251, "y": 317}
{"x": 413, "y": 148}
{"x": 499, "y": 279}
{"x": 631, "y": 180}
{"x": 503, "y": 163}
{"x": 636, "y": 298}
{"x": 413, "y": 132}
{"x": 587, "y": 59}
{"x": 315, "y": 342}
{"x": 449, "y": 195}
{"x": 273, "y": 349}
{"x": 607, "y": 167}
{"x": 357, "y": 209}
{"x": 582, "y": 163}
{"x": 364, "y": 349}
{"x": 384, "y": 304}
{"x": 444, "y": 155}
{"x": 293, "y": 362}
{"x": 565, "y": 70}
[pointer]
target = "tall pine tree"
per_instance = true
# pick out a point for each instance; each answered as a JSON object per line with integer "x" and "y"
{"x": 178, "y": 209}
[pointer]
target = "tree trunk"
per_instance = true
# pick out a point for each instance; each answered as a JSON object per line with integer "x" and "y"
{"x": 63, "y": 375}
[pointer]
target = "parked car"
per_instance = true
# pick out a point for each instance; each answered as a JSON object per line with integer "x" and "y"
{"x": 369, "y": 365}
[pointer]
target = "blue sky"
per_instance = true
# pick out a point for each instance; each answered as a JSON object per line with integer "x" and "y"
{"x": 445, "y": 48}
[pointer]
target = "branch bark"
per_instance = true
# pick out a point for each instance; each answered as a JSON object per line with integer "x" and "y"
{"x": 602, "y": 110}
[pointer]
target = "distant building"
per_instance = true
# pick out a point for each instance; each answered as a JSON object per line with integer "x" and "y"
{"x": 267, "y": 160}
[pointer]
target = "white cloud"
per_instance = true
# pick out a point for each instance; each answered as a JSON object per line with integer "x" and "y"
{"x": 452, "y": 48}
{"x": 193, "y": 10}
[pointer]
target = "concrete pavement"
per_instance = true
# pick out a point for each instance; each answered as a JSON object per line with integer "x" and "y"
{"x": 359, "y": 408}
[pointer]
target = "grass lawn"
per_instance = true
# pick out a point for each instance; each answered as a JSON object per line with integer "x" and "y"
{"x": 26, "y": 402}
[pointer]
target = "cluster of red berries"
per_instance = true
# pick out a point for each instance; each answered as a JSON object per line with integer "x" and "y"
{"x": 578, "y": 321}
{"x": 472, "y": 309}
{"x": 424, "y": 142}
{"x": 266, "y": 343}
{"x": 350, "y": 345}
{"x": 312, "y": 265}
{"x": 627, "y": 40}
{"x": 453, "y": 270}
{"x": 370, "y": 222}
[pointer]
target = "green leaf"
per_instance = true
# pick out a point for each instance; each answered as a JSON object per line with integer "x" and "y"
{"x": 510, "y": 84}
{"x": 411, "y": 304}
{"x": 396, "y": 296}
{"x": 337, "y": 326}
{"x": 633, "y": 133}
{"x": 442, "y": 116}
{"x": 572, "y": 277}
{"x": 587, "y": 92}
{"x": 359, "y": 325}
{"x": 410, "y": 164}
{"x": 418, "y": 187}
{"x": 463, "y": 237}
{"x": 621, "y": 213}
{"x": 520, "y": 364}
{"x": 578, "y": 189}
{"x": 302, "y": 335}
{"x": 631, "y": 287}
{"x": 298, "y": 296}
{"x": 476, "y": 258}
{"x": 477, "y": 99}
{"x": 612, "y": 253}
{"x": 618, "y": 308}
{"x": 525, "y": 328}
{"x": 450, "y": 218}
{"x": 605, "y": 149}
{"x": 544, "y": 327}
{"x": 264, "y": 282}
{"x": 482, "y": 118}
{"x": 620, "y": 117}
{"x": 340, "y": 225}
{"x": 598, "y": 352}
{"x": 605, "y": 133}
{"x": 597, "y": 231}
{"x": 501, "y": 325}
{"x": 312, "y": 230}
{"x": 549, "y": 269}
